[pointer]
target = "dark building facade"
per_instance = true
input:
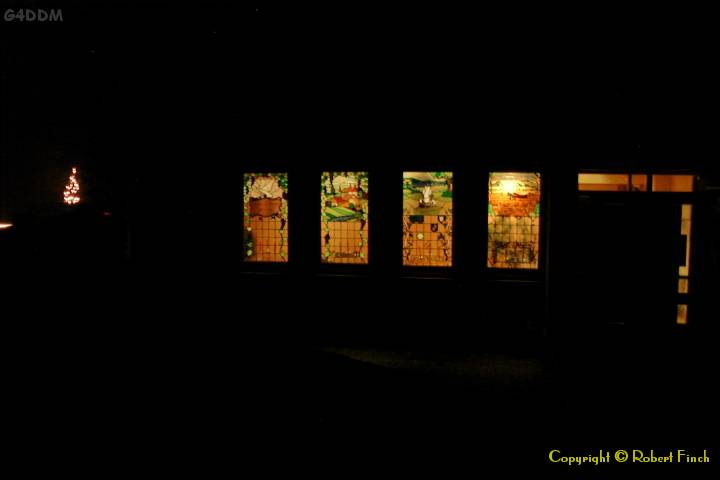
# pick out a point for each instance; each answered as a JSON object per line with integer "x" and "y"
{"x": 164, "y": 127}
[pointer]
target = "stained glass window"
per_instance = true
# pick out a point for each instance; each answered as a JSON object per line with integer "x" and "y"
{"x": 427, "y": 218}
{"x": 513, "y": 220}
{"x": 344, "y": 217}
{"x": 265, "y": 211}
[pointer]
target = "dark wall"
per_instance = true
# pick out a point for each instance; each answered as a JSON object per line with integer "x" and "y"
{"x": 164, "y": 106}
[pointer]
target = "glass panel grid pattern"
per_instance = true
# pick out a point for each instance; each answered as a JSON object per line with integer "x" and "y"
{"x": 513, "y": 220}
{"x": 265, "y": 217}
{"x": 427, "y": 219}
{"x": 344, "y": 218}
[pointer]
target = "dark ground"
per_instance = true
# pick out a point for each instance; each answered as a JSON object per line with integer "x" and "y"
{"x": 174, "y": 380}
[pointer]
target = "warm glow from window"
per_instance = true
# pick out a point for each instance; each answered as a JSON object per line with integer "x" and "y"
{"x": 685, "y": 229}
{"x": 513, "y": 220}
{"x": 427, "y": 219}
{"x": 509, "y": 186}
{"x": 682, "y": 314}
{"x": 672, "y": 183}
{"x": 639, "y": 182}
{"x": 683, "y": 285}
{"x": 603, "y": 182}
{"x": 265, "y": 215}
{"x": 344, "y": 217}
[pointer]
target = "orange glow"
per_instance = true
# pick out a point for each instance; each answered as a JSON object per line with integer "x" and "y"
{"x": 672, "y": 183}
{"x": 509, "y": 186}
{"x": 638, "y": 182}
{"x": 513, "y": 220}
{"x": 5, "y": 225}
{"x": 71, "y": 195}
{"x": 682, "y": 314}
{"x": 603, "y": 182}
{"x": 685, "y": 229}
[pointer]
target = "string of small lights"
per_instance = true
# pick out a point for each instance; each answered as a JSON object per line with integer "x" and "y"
{"x": 71, "y": 195}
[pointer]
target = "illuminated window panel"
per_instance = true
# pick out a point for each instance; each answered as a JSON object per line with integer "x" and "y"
{"x": 513, "y": 220}
{"x": 685, "y": 229}
{"x": 672, "y": 183}
{"x": 639, "y": 182}
{"x": 682, "y": 315}
{"x": 344, "y": 217}
{"x": 427, "y": 219}
{"x": 603, "y": 182}
{"x": 265, "y": 214}
{"x": 683, "y": 285}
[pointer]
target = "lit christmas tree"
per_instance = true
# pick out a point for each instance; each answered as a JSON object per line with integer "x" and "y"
{"x": 71, "y": 195}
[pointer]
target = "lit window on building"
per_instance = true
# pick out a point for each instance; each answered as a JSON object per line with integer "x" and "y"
{"x": 604, "y": 182}
{"x": 427, "y": 219}
{"x": 513, "y": 220}
{"x": 638, "y": 182}
{"x": 684, "y": 270}
{"x": 344, "y": 217}
{"x": 685, "y": 231}
{"x": 682, "y": 315}
{"x": 672, "y": 183}
{"x": 265, "y": 215}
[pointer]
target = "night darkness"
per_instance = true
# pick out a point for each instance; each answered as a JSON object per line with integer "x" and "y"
{"x": 139, "y": 341}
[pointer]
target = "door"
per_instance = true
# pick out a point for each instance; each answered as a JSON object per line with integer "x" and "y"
{"x": 626, "y": 261}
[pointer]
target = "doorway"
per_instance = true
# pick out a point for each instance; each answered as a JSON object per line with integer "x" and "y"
{"x": 628, "y": 251}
